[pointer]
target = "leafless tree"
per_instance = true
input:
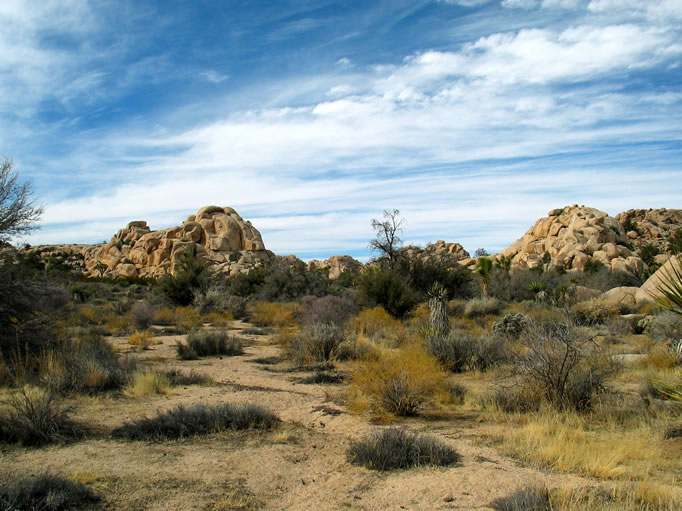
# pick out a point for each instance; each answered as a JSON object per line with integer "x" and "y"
{"x": 18, "y": 210}
{"x": 387, "y": 241}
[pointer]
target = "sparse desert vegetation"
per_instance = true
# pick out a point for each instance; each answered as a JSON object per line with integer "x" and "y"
{"x": 413, "y": 367}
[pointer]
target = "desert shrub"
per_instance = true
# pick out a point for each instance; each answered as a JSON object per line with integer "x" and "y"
{"x": 516, "y": 399}
{"x": 142, "y": 315}
{"x": 387, "y": 288}
{"x": 316, "y": 342}
{"x": 164, "y": 316}
{"x": 207, "y": 343}
{"x": 375, "y": 323}
{"x": 511, "y": 325}
{"x": 423, "y": 272}
{"x": 275, "y": 314}
{"x": 398, "y": 382}
{"x": 176, "y": 377}
{"x": 529, "y": 498}
{"x": 595, "y": 311}
{"x": 187, "y": 318}
{"x": 559, "y": 362}
{"x": 455, "y": 350}
{"x": 323, "y": 377}
{"x": 675, "y": 242}
{"x": 142, "y": 340}
{"x": 45, "y": 492}
{"x": 184, "y": 421}
{"x": 330, "y": 309}
{"x": 188, "y": 280}
{"x": 666, "y": 326}
{"x": 394, "y": 448}
{"x": 86, "y": 363}
{"x": 662, "y": 357}
{"x": 478, "y": 307}
{"x": 491, "y": 350}
{"x": 147, "y": 383}
{"x": 36, "y": 418}
{"x": 217, "y": 298}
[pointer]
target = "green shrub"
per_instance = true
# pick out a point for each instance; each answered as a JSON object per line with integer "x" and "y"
{"x": 206, "y": 343}
{"x": 188, "y": 280}
{"x": 184, "y": 421}
{"x": 388, "y": 289}
{"x": 394, "y": 448}
{"x": 36, "y": 418}
{"x": 45, "y": 492}
{"x": 316, "y": 342}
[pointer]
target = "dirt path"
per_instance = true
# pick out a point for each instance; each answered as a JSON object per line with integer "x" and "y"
{"x": 301, "y": 466}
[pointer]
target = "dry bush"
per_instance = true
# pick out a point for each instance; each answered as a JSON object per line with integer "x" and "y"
{"x": 528, "y": 498}
{"x": 315, "y": 343}
{"x": 218, "y": 299}
{"x": 398, "y": 382}
{"x": 188, "y": 318}
{"x": 376, "y": 323}
{"x": 595, "y": 311}
{"x": 459, "y": 351}
{"x": 207, "y": 343}
{"x": 394, "y": 448}
{"x": 45, "y": 492}
{"x": 165, "y": 316}
{"x": 143, "y": 340}
{"x": 478, "y": 307}
{"x": 184, "y": 421}
{"x": 219, "y": 319}
{"x": 142, "y": 315}
{"x": 330, "y": 309}
{"x": 148, "y": 383}
{"x": 511, "y": 325}
{"x": 36, "y": 417}
{"x": 661, "y": 356}
{"x": 666, "y": 326}
{"x": 275, "y": 314}
{"x": 516, "y": 399}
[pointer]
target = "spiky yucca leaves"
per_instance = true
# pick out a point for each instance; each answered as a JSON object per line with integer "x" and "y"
{"x": 670, "y": 390}
{"x": 484, "y": 268}
{"x": 670, "y": 289}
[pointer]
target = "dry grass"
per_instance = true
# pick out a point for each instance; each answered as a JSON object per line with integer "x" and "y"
{"x": 275, "y": 314}
{"x": 376, "y": 323}
{"x": 396, "y": 382}
{"x": 148, "y": 383}
{"x": 566, "y": 442}
{"x": 164, "y": 316}
{"x": 219, "y": 319}
{"x": 143, "y": 340}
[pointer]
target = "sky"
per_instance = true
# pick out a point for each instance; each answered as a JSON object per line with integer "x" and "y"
{"x": 474, "y": 118}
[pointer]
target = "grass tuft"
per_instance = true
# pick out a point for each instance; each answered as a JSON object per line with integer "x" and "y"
{"x": 206, "y": 343}
{"x": 184, "y": 421}
{"x": 46, "y": 492}
{"x": 395, "y": 448}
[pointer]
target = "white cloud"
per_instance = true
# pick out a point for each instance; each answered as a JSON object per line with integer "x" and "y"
{"x": 467, "y": 3}
{"x": 520, "y": 4}
{"x": 213, "y": 76}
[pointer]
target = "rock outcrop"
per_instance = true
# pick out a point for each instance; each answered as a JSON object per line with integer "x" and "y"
{"x": 653, "y": 226}
{"x": 335, "y": 264}
{"x": 649, "y": 290}
{"x": 216, "y": 236}
{"x": 573, "y": 236}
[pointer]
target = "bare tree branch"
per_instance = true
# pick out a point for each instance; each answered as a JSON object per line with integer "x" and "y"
{"x": 18, "y": 210}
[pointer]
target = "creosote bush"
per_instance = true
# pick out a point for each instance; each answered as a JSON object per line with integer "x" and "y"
{"x": 185, "y": 421}
{"x": 207, "y": 343}
{"x": 35, "y": 418}
{"x": 395, "y": 448}
{"x": 45, "y": 492}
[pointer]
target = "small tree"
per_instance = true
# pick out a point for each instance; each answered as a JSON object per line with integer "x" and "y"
{"x": 387, "y": 241}
{"x": 484, "y": 267}
{"x": 18, "y": 211}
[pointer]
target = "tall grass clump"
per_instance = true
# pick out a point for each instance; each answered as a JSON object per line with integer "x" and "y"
{"x": 316, "y": 342}
{"x": 275, "y": 314}
{"x": 148, "y": 383}
{"x": 36, "y": 417}
{"x": 395, "y": 448}
{"x": 45, "y": 492}
{"x": 375, "y": 323}
{"x": 185, "y": 421}
{"x": 478, "y": 307}
{"x": 206, "y": 343}
{"x": 397, "y": 383}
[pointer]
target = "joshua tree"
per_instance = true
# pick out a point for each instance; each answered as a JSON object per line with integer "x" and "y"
{"x": 484, "y": 267}
{"x": 438, "y": 307}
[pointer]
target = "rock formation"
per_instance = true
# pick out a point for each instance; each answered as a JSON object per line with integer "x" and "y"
{"x": 570, "y": 237}
{"x": 652, "y": 226}
{"x": 335, "y": 264}
{"x": 216, "y": 236}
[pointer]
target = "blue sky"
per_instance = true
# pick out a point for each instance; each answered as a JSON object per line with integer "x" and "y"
{"x": 473, "y": 117}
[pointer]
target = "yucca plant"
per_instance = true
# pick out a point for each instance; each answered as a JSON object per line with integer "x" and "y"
{"x": 671, "y": 390}
{"x": 438, "y": 307}
{"x": 670, "y": 289}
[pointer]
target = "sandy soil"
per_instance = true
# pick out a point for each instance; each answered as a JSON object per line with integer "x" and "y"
{"x": 300, "y": 466}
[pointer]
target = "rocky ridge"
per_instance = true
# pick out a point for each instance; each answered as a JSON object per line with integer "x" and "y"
{"x": 573, "y": 236}
{"x": 216, "y": 236}
{"x": 653, "y": 226}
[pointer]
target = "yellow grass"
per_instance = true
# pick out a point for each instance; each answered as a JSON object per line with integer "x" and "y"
{"x": 219, "y": 319}
{"x": 143, "y": 340}
{"x": 275, "y": 314}
{"x": 147, "y": 383}
{"x": 188, "y": 318}
{"x": 565, "y": 442}
{"x": 387, "y": 384}
{"x": 376, "y": 323}
{"x": 164, "y": 316}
